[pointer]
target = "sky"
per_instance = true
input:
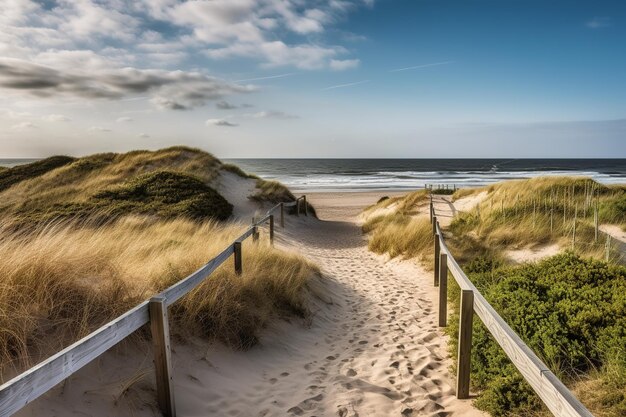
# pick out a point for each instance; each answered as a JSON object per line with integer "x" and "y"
{"x": 320, "y": 78}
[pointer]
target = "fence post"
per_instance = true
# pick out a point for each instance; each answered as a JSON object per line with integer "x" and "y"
{"x": 306, "y": 208}
{"x": 255, "y": 233}
{"x": 465, "y": 344}
{"x": 434, "y": 225}
{"x": 237, "y": 253}
{"x": 443, "y": 290}
{"x": 162, "y": 355}
{"x": 282, "y": 215}
{"x": 431, "y": 211}
{"x": 298, "y": 207}
{"x": 272, "y": 229}
{"x": 437, "y": 251}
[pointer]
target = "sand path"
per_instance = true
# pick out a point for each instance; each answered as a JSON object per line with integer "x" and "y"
{"x": 372, "y": 347}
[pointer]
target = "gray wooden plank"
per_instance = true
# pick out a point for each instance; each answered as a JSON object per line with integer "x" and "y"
{"x": 28, "y": 386}
{"x": 178, "y": 290}
{"x": 159, "y": 325}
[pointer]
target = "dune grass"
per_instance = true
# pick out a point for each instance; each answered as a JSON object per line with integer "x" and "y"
{"x": 399, "y": 231}
{"x": 15, "y": 175}
{"x": 543, "y": 210}
{"x": 235, "y": 169}
{"x": 167, "y": 183}
{"x": 272, "y": 191}
{"x": 64, "y": 280}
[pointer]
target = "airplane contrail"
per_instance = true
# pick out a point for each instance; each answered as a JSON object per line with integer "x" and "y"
{"x": 266, "y": 78}
{"x": 421, "y": 66}
{"x": 345, "y": 85}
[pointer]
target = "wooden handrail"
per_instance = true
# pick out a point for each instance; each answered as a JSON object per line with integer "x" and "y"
{"x": 554, "y": 394}
{"x": 36, "y": 381}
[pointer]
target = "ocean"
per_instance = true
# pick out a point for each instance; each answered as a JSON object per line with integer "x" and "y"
{"x": 405, "y": 174}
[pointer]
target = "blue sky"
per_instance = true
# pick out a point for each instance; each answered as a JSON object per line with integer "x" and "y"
{"x": 325, "y": 78}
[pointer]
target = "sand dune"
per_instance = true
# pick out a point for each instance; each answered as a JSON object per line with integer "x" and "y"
{"x": 370, "y": 348}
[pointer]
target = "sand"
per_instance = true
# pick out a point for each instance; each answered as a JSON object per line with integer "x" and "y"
{"x": 371, "y": 346}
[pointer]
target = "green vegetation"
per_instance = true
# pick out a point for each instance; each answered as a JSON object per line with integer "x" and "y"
{"x": 62, "y": 281}
{"x": 443, "y": 191}
{"x": 11, "y": 176}
{"x": 540, "y": 211}
{"x": 165, "y": 184}
{"x": 162, "y": 194}
{"x": 570, "y": 311}
{"x": 394, "y": 228}
{"x": 238, "y": 171}
{"x": 83, "y": 240}
{"x": 569, "y": 308}
{"x": 272, "y": 191}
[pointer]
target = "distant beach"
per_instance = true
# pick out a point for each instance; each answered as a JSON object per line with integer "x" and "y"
{"x": 328, "y": 175}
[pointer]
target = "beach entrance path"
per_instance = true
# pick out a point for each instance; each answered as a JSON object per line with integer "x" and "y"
{"x": 371, "y": 348}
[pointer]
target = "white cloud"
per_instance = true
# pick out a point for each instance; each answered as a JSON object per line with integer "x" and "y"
{"x": 272, "y": 114}
{"x": 340, "y": 65}
{"x": 219, "y": 122}
{"x": 171, "y": 89}
{"x": 143, "y": 135}
{"x": 278, "y": 53}
{"x": 599, "y": 22}
{"x": 24, "y": 126}
{"x": 225, "y": 105}
{"x": 103, "y": 49}
{"x": 99, "y": 129}
{"x": 56, "y": 118}
{"x": 248, "y": 28}
{"x": 11, "y": 114}
{"x": 124, "y": 119}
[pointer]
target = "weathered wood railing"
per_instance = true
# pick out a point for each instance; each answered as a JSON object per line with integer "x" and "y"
{"x": 555, "y": 395}
{"x": 28, "y": 386}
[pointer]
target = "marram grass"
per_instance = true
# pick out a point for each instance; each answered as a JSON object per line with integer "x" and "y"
{"x": 64, "y": 280}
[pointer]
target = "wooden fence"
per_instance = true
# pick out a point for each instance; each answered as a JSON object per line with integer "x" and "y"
{"x": 28, "y": 386}
{"x": 555, "y": 395}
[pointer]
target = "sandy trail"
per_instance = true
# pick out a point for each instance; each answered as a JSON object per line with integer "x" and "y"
{"x": 370, "y": 348}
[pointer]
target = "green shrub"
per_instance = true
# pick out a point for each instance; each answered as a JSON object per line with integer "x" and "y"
{"x": 272, "y": 191}
{"x": 162, "y": 194}
{"x": 569, "y": 310}
{"x": 12, "y": 176}
{"x": 166, "y": 195}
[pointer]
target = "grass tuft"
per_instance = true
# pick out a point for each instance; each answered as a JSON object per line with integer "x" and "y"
{"x": 238, "y": 171}
{"x": 64, "y": 280}
{"x": 15, "y": 175}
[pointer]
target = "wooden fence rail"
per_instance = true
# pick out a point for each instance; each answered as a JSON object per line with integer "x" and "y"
{"x": 555, "y": 395}
{"x": 28, "y": 386}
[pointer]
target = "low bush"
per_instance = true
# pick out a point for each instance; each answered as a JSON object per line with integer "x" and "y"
{"x": 569, "y": 310}
{"x": 272, "y": 191}
{"x": 162, "y": 194}
{"x": 12, "y": 176}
